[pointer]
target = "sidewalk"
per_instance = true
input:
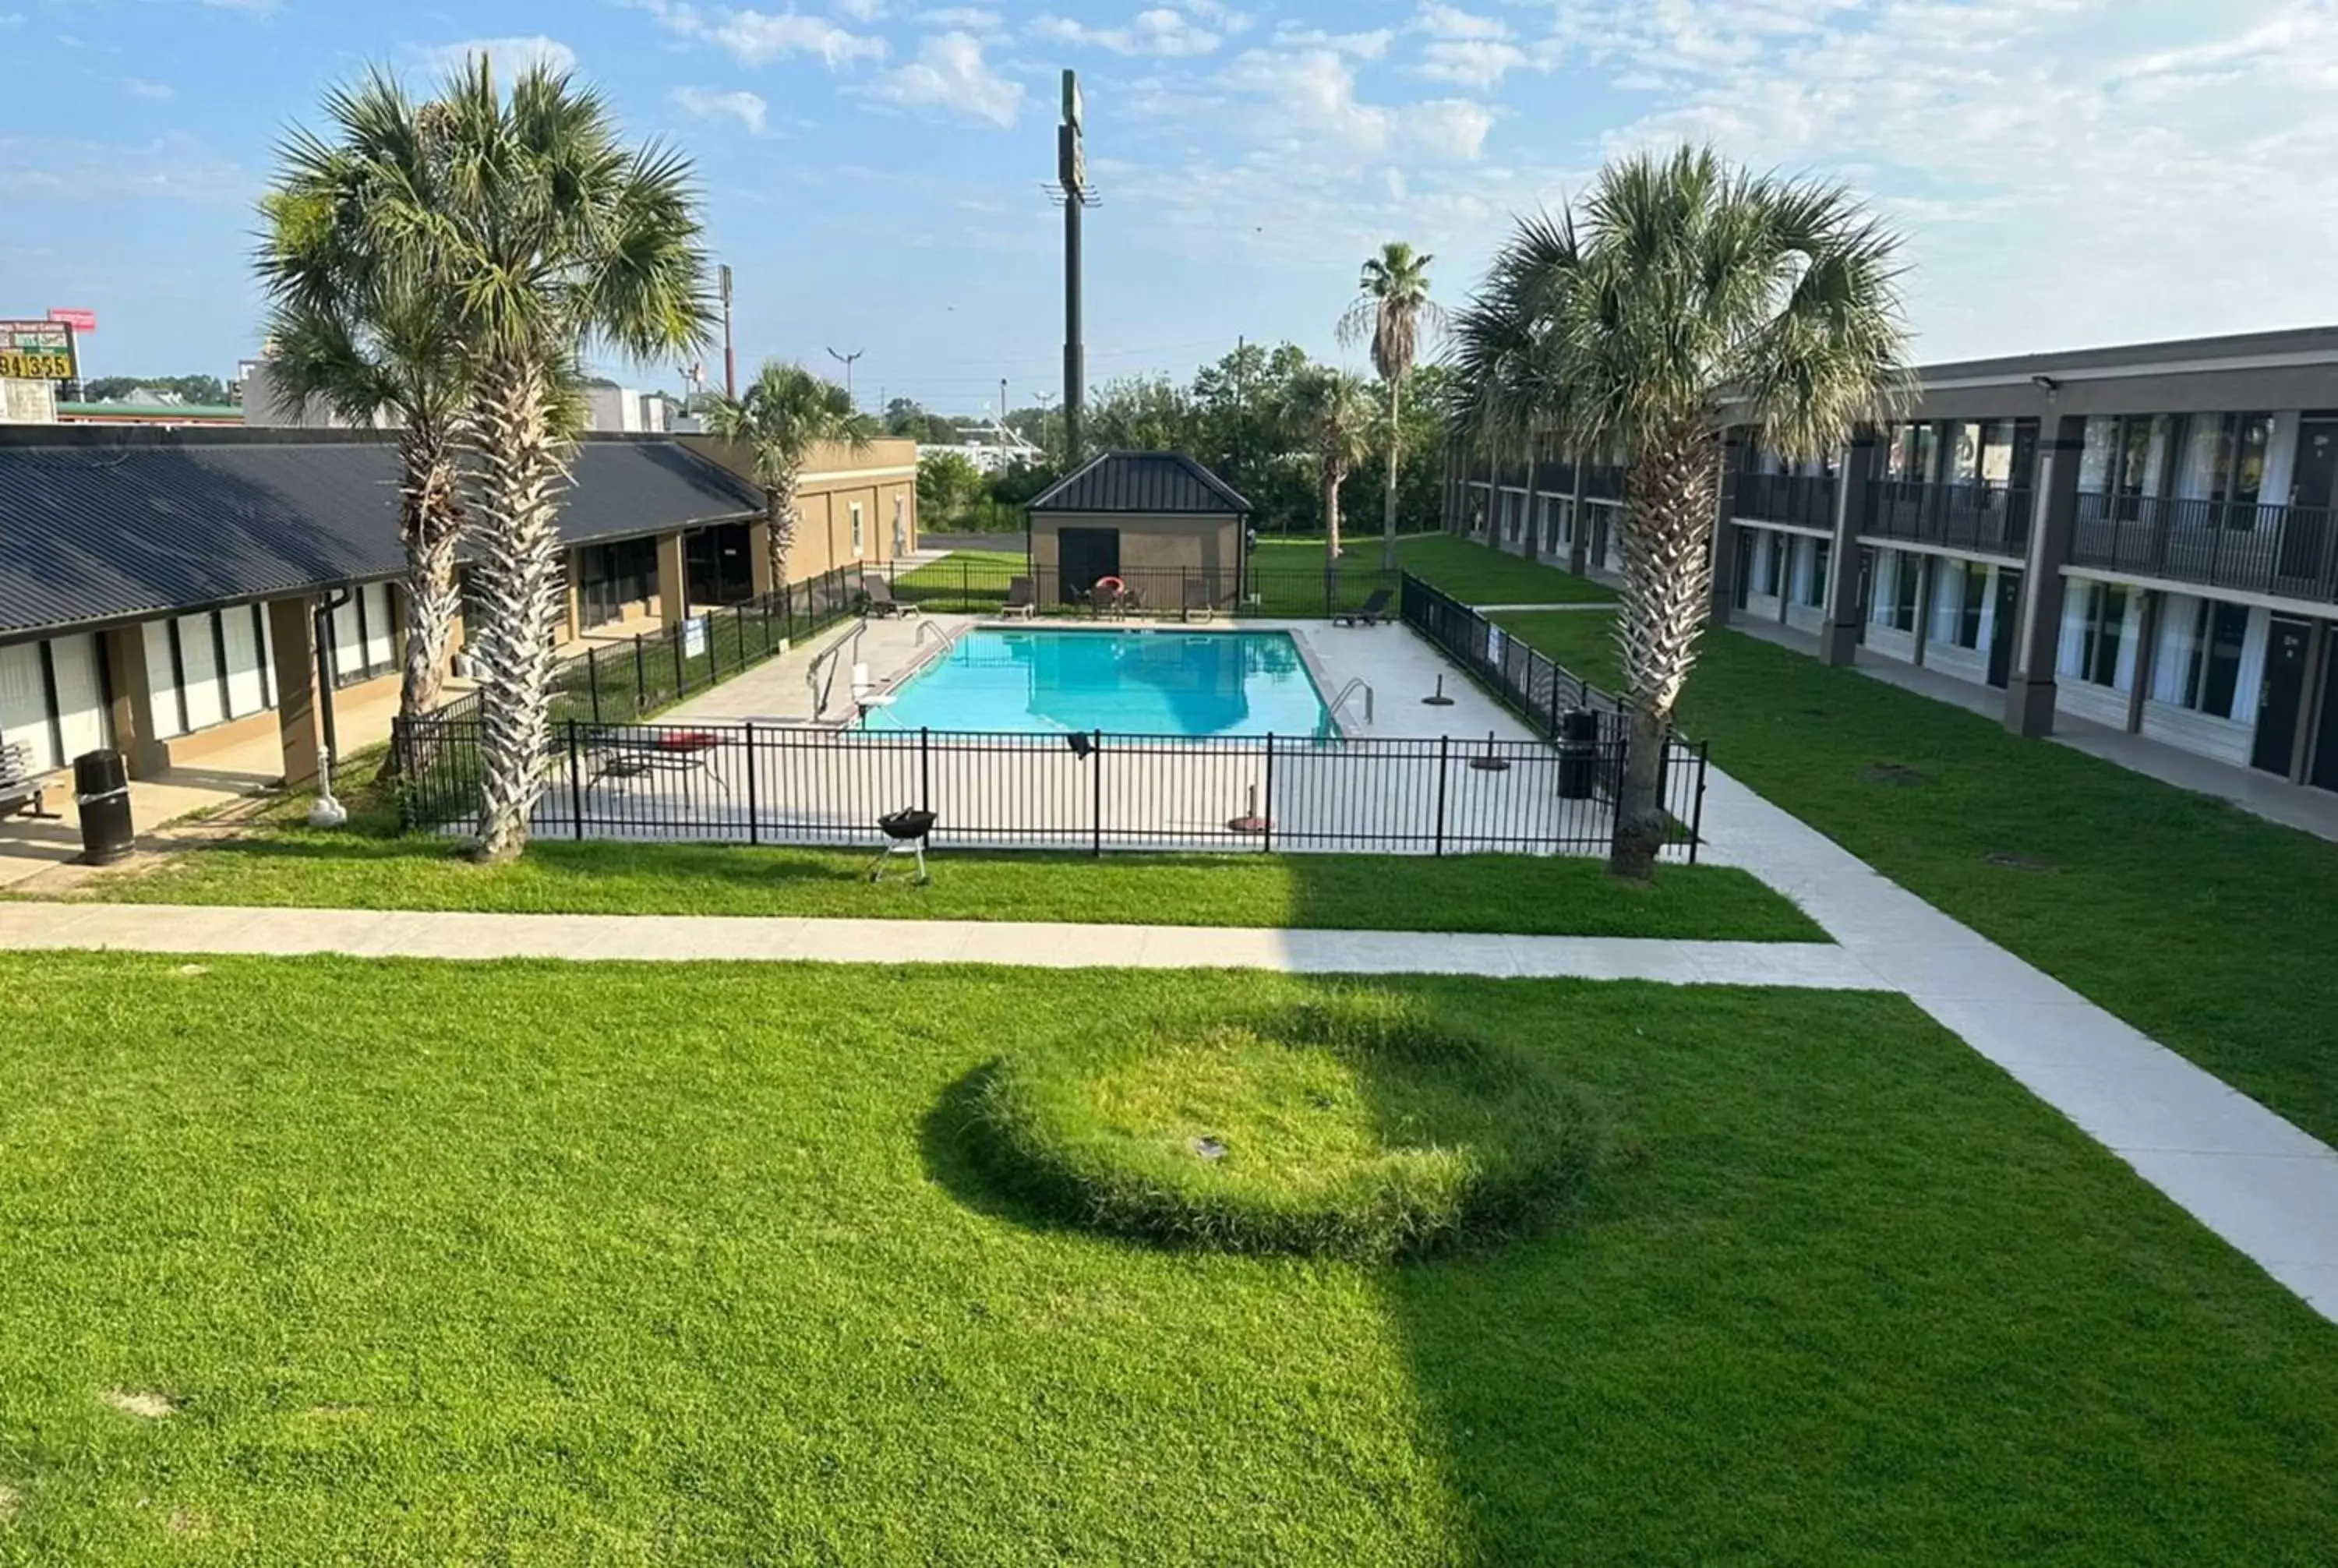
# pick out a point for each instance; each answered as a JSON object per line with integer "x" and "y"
{"x": 702, "y": 938}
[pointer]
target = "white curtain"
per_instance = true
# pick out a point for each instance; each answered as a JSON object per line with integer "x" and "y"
{"x": 24, "y": 705}
{"x": 82, "y": 713}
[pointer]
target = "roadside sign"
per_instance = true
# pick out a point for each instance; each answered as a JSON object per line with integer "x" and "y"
{"x": 38, "y": 351}
{"x": 82, "y": 322}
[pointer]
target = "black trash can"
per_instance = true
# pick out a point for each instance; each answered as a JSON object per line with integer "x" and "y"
{"x": 102, "y": 790}
{"x": 1578, "y": 753}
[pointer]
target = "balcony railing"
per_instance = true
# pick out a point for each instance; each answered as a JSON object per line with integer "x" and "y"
{"x": 1805, "y": 500}
{"x": 1991, "y": 519}
{"x": 1603, "y": 481}
{"x": 2288, "y": 551}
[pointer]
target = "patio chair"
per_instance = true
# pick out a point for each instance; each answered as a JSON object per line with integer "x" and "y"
{"x": 648, "y": 752}
{"x": 1021, "y": 600}
{"x": 1373, "y": 612}
{"x": 20, "y": 789}
{"x": 882, "y": 602}
{"x": 1198, "y": 601}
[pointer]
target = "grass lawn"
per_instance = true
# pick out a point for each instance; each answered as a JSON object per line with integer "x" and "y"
{"x": 977, "y": 580}
{"x": 2207, "y": 929}
{"x": 534, "y": 1263}
{"x": 287, "y": 865}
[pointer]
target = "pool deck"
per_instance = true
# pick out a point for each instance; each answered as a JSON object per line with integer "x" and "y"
{"x": 1398, "y": 666}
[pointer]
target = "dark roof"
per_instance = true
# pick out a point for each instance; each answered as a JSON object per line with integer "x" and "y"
{"x": 2286, "y": 345}
{"x": 99, "y": 530}
{"x": 1142, "y": 482}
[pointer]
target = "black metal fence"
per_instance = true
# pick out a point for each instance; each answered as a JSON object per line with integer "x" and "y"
{"x": 1094, "y": 791}
{"x": 1545, "y": 693}
{"x": 617, "y": 681}
{"x": 963, "y": 584}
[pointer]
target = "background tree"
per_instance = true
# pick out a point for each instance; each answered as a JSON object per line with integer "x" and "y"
{"x": 785, "y": 412}
{"x": 552, "y": 236}
{"x": 1680, "y": 281}
{"x": 949, "y": 486}
{"x": 359, "y": 319}
{"x": 1392, "y": 313}
{"x": 1332, "y": 415}
{"x": 207, "y": 391}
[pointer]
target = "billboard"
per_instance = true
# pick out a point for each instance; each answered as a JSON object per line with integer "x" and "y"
{"x": 82, "y": 322}
{"x": 38, "y": 351}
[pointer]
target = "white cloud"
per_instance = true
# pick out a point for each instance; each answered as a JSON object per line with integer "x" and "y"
{"x": 1368, "y": 45}
{"x": 759, "y": 37}
{"x": 962, "y": 18}
{"x": 509, "y": 56}
{"x": 863, "y": 10}
{"x": 2059, "y": 179}
{"x": 950, "y": 74}
{"x": 1440, "y": 21}
{"x": 705, "y": 103}
{"x": 158, "y": 92}
{"x": 1471, "y": 62}
{"x": 1309, "y": 98}
{"x": 1160, "y": 32}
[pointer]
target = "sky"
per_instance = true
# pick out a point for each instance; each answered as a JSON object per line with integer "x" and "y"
{"x": 2065, "y": 172}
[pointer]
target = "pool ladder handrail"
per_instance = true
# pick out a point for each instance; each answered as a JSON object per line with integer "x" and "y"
{"x": 830, "y": 661}
{"x": 1349, "y": 690}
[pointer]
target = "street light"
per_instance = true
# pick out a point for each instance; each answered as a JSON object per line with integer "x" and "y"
{"x": 846, "y": 360}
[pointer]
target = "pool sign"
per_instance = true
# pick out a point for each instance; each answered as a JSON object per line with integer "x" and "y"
{"x": 38, "y": 351}
{"x": 693, "y": 637}
{"x": 82, "y": 322}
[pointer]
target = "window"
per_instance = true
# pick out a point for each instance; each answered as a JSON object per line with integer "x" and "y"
{"x": 1899, "y": 577}
{"x": 201, "y": 691}
{"x": 1913, "y": 454}
{"x": 364, "y": 643}
{"x": 52, "y": 699}
{"x": 1821, "y": 555}
{"x": 856, "y": 544}
{"x": 1960, "y": 601}
{"x": 2225, "y": 461}
{"x": 2127, "y": 458}
{"x": 246, "y": 687}
{"x": 24, "y": 705}
{"x": 2102, "y": 629}
{"x": 2198, "y": 665}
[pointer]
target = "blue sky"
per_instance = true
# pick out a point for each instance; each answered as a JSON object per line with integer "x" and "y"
{"x": 2066, "y": 171}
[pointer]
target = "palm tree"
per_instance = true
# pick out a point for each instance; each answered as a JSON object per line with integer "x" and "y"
{"x": 786, "y": 412}
{"x": 1683, "y": 288}
{"x": 551, "y": 236}
{"x": 1392, "y": 313}
{"x": 360, "y": 322}
{"x": 1331, "y": 417}
{"x": 1499, "y": 402}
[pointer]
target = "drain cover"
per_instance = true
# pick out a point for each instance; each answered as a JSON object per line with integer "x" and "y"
{"x": 1210, "y": 1148}
{"x": 1890, "y": 773}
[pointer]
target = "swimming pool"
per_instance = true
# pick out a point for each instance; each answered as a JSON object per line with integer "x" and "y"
{"x": 1165, "y": 682}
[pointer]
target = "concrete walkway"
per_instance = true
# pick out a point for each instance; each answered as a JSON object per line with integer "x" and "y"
{"x": 700, "y": 938}
{"x": 2264, "y": 1185}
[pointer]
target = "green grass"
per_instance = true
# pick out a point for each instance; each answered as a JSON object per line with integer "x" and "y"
{"x": 2207, "y": 929}
{"x": 1358, "y": 1130}
{"x": 1287, "y": 575}
{"x": 284, "y": 865}
{"x": 539, "y": 1264}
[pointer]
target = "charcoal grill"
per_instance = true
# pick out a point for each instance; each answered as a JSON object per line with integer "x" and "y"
{"x": 905, "y": 834}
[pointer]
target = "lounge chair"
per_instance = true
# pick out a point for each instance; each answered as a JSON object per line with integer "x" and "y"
{"x": 1198, "y": 601}
{"x": 1021, "y": 600}
{"x": 1371, "y": 613}
{"x": 20, "y": 788}
{"x": 882, "y": 602}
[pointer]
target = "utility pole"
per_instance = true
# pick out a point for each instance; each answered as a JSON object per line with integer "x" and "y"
{"x": 729, "y": 359}
{"x": 1076, "y": 195}
{"x": 846, "y": 360}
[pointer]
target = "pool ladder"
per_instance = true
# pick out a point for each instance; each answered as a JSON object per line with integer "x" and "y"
{"x": 1350, "y": 689}
{"x": 828, "y": 664}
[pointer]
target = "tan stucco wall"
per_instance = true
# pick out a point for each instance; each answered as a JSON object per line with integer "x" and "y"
{"x": 878, "y": 476}
{"x": 1154, "y": 548}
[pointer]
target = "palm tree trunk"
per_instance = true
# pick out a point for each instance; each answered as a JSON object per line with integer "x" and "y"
{"x": 1387, "y": 516}
{"x": 518, "y": 465}
{"x": 1534, "y": 485}
{"x": 1668, "y": 504}
{"x": 430, "y": 521}
{"x": 779, "y": 500}
{"x": 1331, "y": 529}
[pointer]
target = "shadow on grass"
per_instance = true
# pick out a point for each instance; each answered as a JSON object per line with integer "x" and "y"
{"x": 946, "y": 1146}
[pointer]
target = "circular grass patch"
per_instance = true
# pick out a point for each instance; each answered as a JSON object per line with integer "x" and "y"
{"x": 1341, "y": 1130}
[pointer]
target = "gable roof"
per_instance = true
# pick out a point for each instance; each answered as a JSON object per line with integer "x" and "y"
{"x": 1150, "y": 482}
{"x": 94, "y": 530}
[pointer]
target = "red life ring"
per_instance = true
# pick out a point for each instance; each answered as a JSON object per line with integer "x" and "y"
{"x": 1118, "y": 587}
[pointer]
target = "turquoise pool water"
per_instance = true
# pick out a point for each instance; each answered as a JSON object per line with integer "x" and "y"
{"x": 1167, "y": 682}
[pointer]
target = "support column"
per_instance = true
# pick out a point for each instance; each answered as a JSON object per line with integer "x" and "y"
{"x": 674, "y": 579}
{"x": 1925, "y": 572}
{"x": 2030, "y": 690}
{"x": 572, "y": 593}
{"x": 2147, "y": 632}
{"x": 1724, "y": 526}
{"x": 759, "y": 559}
{"x": 131, "y": 703}
{"x": 1839, "y": 635}
{"x": 292, "y": 627}
{"x": 1579, "y": 525}
{"x": 1532, "y": 536}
